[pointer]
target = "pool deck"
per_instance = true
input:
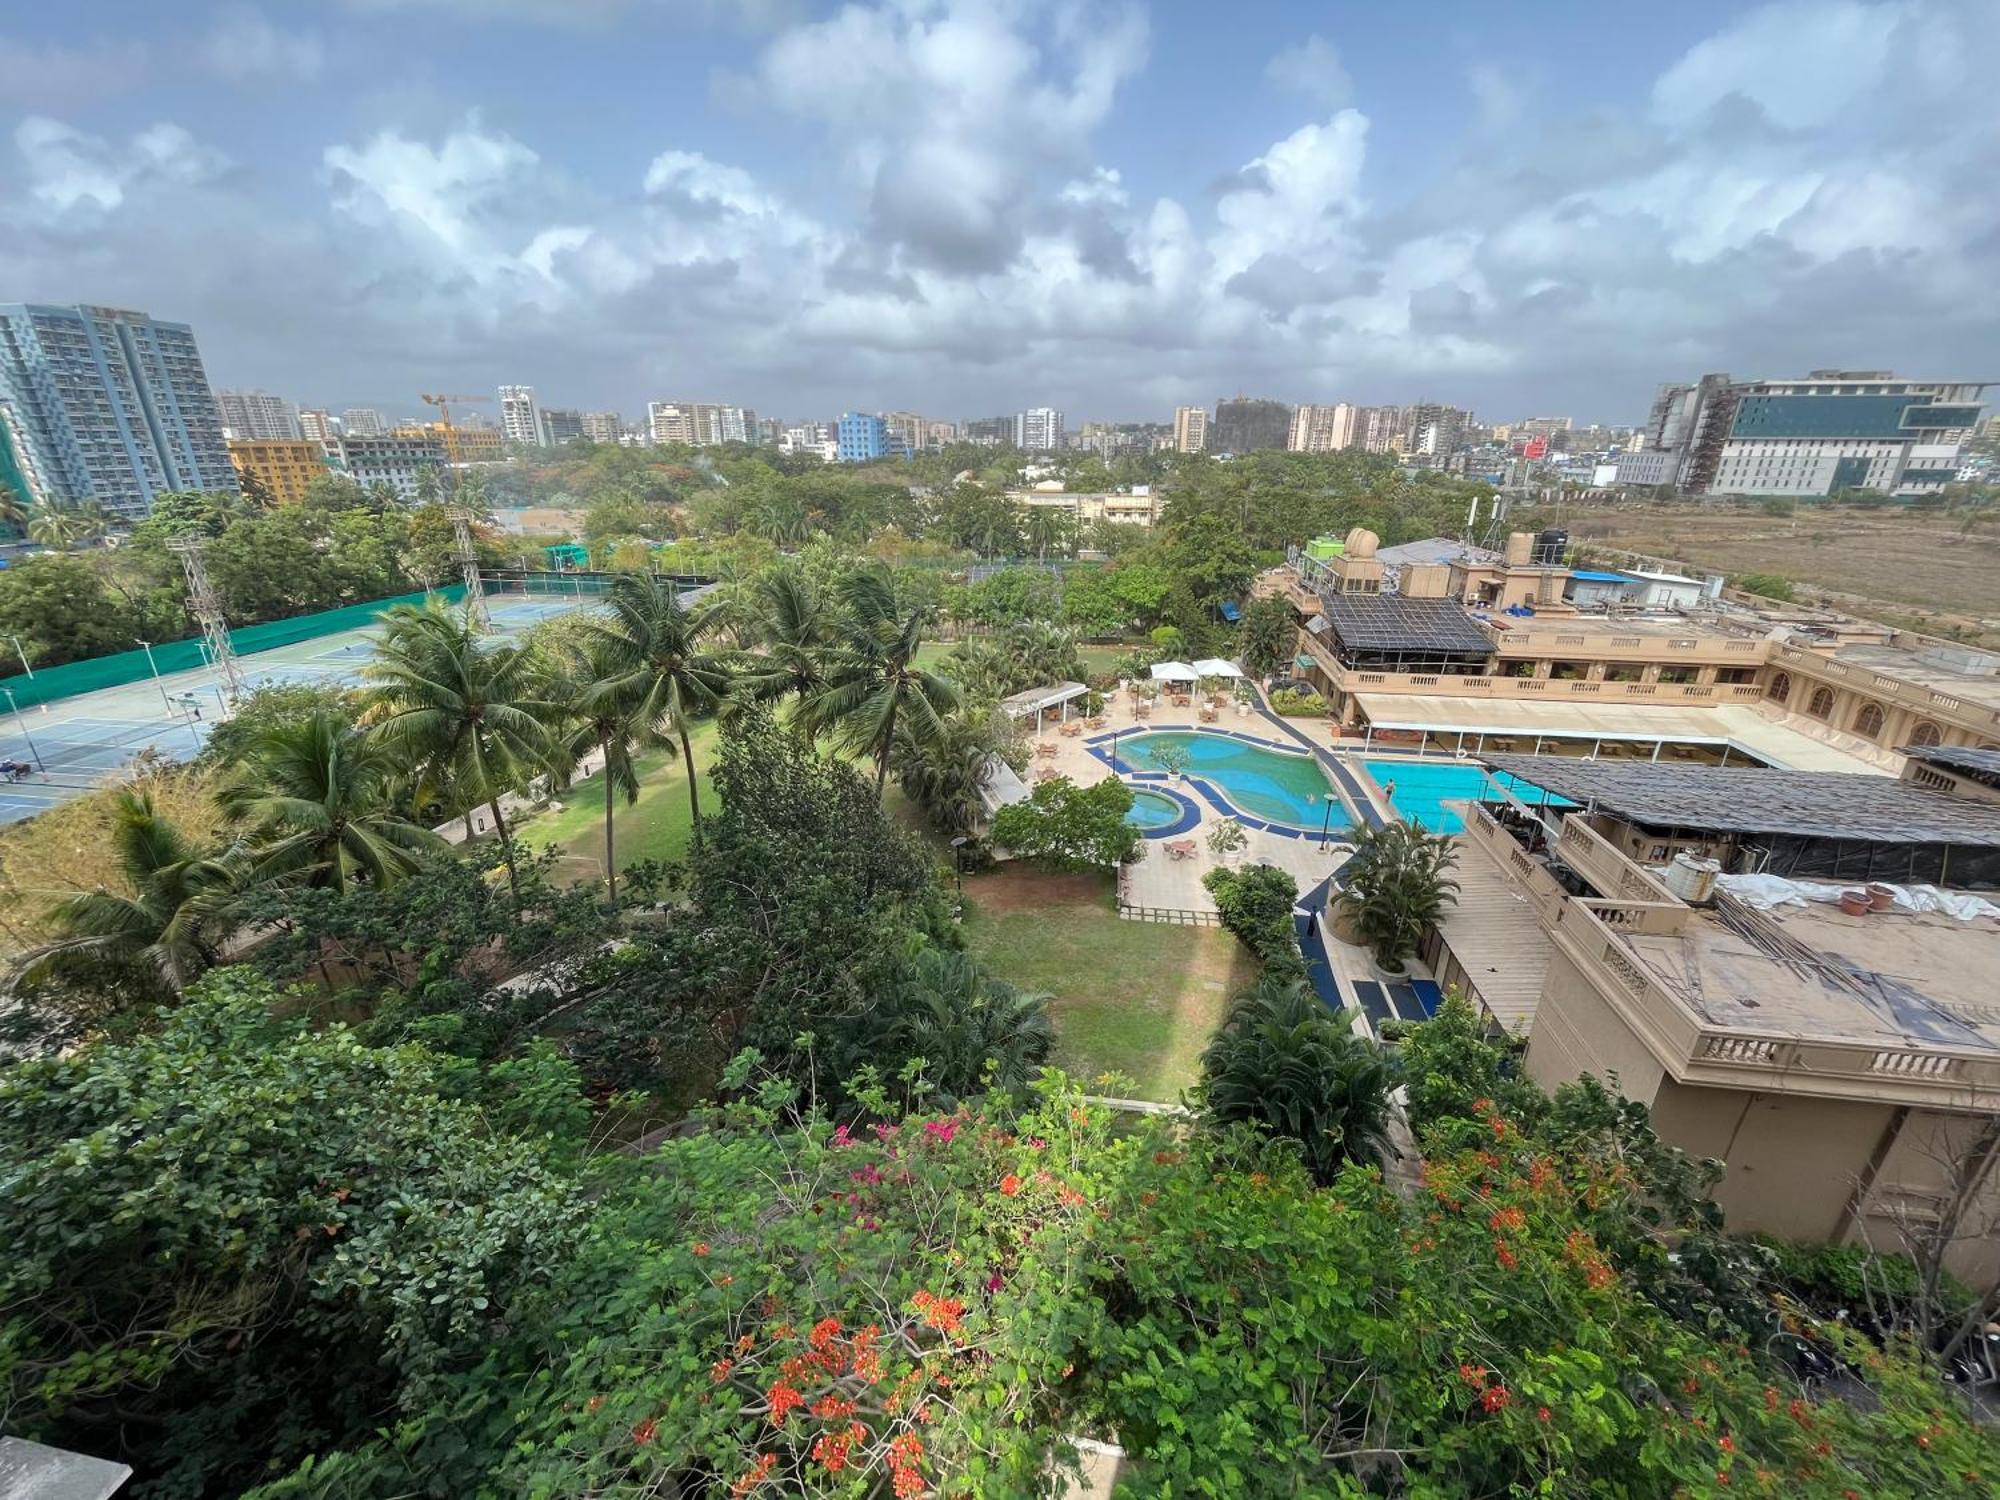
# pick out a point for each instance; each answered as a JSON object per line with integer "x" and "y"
{"x": 1157, "y": 880}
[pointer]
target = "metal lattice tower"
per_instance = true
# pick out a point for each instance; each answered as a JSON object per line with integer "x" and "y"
{"x": 468, "y": 562}
{"x": 206, "y": 607}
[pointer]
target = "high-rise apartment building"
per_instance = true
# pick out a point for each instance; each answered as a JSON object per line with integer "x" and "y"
{"x": 362, "y": 421}
{"x": 559, "y": 425}
{"x": 940, "y": 434}
{"x": 1322, "y": 429}
{"x": 1436, "y": 431}
{"x": 670, "y": 422}
{"x": 19, "y": 481}
{"x": 317, "y": 426}
{"x": 1244, "y": 424}
{"x": 863, "y": 438}
{"x": 1039, "y": 430}
{"x": 395, "y": 459}
{"x": 1833, "y": 430}
{"x": 905, "y": 428}
{"x": 1381, "y": 429}
{"x": 603, "y": 426}
{"x": 284, "y": 467}
{"x": 1190, "y": 429}
{"x": 990, "y": 432}
{"x": 521, "y": 415}
{"x": 257, "y": 415}
{"x": 110, "y": 405}
{"x": 769, "y": 431}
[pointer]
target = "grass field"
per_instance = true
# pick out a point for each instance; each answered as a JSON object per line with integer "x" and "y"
{"x": 1130, "y": 997}
{"x": 657, "y": 826}
{"x": 1921, "y": 569}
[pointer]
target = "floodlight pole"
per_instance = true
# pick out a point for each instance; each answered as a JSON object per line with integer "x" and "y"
{"x": 468, "y": 562}
{"x": 147, "y": 646}
{"x": 18, "y": 651}
{"x": 40, "y": 764}
{"x": 205, "y": 604}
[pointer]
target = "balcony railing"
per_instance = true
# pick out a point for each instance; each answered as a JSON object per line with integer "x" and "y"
{"x": 1911, "y": 695}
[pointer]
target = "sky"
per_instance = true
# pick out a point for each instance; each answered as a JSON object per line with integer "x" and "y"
{"x": 966, "y": 207}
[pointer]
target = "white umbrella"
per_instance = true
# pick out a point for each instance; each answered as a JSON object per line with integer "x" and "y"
{"x": 1215, "y": 666}
{"x": 1174, "y": 671}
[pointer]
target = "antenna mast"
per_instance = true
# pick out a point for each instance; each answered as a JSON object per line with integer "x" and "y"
{"x": 468, "y": 563}
{"x": 206, "y": 607}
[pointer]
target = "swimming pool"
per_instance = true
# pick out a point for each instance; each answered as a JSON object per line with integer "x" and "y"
{"x": 1265, "y": 784}
{"x": 1422, "y": 789}
{"x": 1152, "y": 809}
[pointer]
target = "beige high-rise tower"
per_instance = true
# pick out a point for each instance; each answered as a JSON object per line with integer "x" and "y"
{"x": 1190, "y": 429}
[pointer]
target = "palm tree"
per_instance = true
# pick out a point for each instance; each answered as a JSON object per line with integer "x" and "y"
{"x": 314, "y": 802}
{"x": 873, "y": 682}
{"x": 55, "y": 524}
{"x": 464, "y": 713}
{"x": 168, "y": 928}
{"x": 657, "y": 662}
{"x": 1398, "y": 885}
{"x": 600, "y": 718}
{"x": 1044, "y": 530}
{"x": 1282, "y": 1060}
{"x": 797, "y": 629}
{"x": 972, "y": 1031}
{"x": 942, "y": 774}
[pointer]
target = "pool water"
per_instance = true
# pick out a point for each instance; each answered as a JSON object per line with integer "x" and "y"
{"x": 1422, "y": 789}
{"x": 1153, "y": 809}
{"x": 1265, "y": 784}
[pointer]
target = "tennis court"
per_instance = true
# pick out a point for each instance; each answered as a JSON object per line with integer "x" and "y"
{"x": 84, "y": 742}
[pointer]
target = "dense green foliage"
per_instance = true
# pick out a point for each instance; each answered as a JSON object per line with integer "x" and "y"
{"x": 1063, "y": 826}
{"x": 1256, "y": 904}
{"x": 1398, "y": 885}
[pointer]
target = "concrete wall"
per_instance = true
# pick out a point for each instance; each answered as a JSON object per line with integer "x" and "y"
{"x": 1577, "y": 1032}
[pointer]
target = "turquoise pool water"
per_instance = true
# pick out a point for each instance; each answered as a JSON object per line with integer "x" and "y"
{"x": 1152, "y": 809}
{"x": 1422, "y": 789}
{"x": 1266, "y": 784}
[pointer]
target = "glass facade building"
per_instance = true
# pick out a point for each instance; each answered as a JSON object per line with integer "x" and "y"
{"x": 110, "y": 406}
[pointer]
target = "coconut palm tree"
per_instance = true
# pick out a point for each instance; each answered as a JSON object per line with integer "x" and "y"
{"x": 314, "y": 803}
{"x": 1399, "y": 884}
{"x": 942, "y": 774}
{"x": 1044, "y": 529}
{"x": 55, "y": 524}
{"x": 463, "y": 712}
{"x": 599, "y": 717}
{"x": 1284, "y": 1061}
{"x": 657, "y": 660}
{"x": 168, "y": 929}
{"x": 796, "y": 631}
{"x": 873, "y": 683}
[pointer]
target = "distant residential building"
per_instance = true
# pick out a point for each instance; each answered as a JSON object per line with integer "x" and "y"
{"x": 1322, "y": 429}
{"x": 940, "y": 434}
{"x": 863, "y": 438}
{"x": 560, "y": 425}
{"x": 1380, "y": 429}
{"x": 257, "y": 414}
{"x": 284, "y": 466}
{"x": 1546, "y": 427}
{"x": 670, "y": 422}
{"x": 1190, "y": 429}
{"x": 109, "y": 405}
{"x": 990, "y": 432}
{"x": 1039, "y": 430}
{"x": 1831, "y": 431}
{"x": 603, "y": 426}
{"x": 770, "y": 431}
{"x": 905, "y": 428}
{"x": 1140, "y": 507}
{"x": 396, "y": 459}
{"x": 1436, "y": 431}
{"x": 1244, "y": 424}
{"x": 362, "y": 421}
{"x": 470, "y": 442}
{"x": 521, "y": 416}
{"x": 18, "y": 476}
{"x": 318, "y": 426}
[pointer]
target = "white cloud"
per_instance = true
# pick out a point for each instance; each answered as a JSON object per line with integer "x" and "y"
{"x": 244, "y": 47}
{"x": 68, "y": 168}
{"x": 1803, "y": 62}
{"x": 439, "y": 194}
{"x": 1314, "y": 69}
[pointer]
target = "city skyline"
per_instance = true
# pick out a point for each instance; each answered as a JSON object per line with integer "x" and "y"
{"x": 967, "y": 208}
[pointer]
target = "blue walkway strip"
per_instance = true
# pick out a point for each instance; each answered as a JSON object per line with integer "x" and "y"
{"x": 1319, "y": 971}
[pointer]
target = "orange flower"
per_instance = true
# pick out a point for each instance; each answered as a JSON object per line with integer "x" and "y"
{"x": 755, "y": 1475}
{"x": 719, "y": 1371}
{"x": 643, "y": 1433}
{"x": 701, "y": 1247}
{"x": 1010, "y": 1185}
{"x": 824, "y": 1332}
{"x": 784, "y": 1399}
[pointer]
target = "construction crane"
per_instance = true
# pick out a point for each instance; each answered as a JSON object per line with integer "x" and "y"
{"x": 444, "y": 405}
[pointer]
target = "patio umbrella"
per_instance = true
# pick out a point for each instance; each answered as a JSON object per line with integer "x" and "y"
{"x": 1215, "y": 666}
{"x": 1174, "y": 671}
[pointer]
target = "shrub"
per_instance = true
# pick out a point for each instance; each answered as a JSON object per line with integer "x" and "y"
{"x": 1768, "y": 585}
{"x": 1297, "y": 703}
{"x": 1256, "y": 905}
{"x": 1063, "y": 826}
{"x": 1399, "y": 885}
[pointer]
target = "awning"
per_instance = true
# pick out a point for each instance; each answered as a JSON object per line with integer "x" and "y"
{"x": 1303, "y": 663}
{"x": 1215, "y": 666}
{"x": 1730, "y": 724}
{"x": 1174, "y": 671}
{"x": 999, "y": 786}
{"x": 1034, "y": 700}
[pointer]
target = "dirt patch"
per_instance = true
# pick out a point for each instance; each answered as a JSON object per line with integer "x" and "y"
{"x": 1015, "y": 888}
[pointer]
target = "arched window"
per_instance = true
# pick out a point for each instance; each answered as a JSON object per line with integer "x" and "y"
{"x": 1781, "y": 687}
{"x": 1821, "y": 704}
{"x": 1926, "y": 733}
{"x": 1868, "y": 722}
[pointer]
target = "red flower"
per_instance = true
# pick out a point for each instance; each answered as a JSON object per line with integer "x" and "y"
{"x": 824, "y": 1332}
{"x": 701, "y": 1247}
{"x": 784, "y": 1399}
{"x": 1726, "y": 1443}
{"x": 719, "y": 1371}
{"x": 1010, "y": 1185}
{"x": 755, "y": 1475}
{"x": 1495, "y": 1397}
{"x": 643, "y": 1433}
{"x": 1542, "y": 1414}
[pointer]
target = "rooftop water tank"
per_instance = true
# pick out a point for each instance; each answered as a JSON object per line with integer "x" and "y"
{"x": 1692, "y": 878}
{"x": 1550, "y": 546}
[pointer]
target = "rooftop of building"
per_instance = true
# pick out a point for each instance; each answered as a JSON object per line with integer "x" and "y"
{"x": 1981, "y": 765}
{"x": 1893, "y": 979}
{"x": 1728, "y": 799}
{"x": 1656, "y": 624}
{"x": 1432, "y": 550}
{"x": 1937, "y": 665}
{"x": 1392, "y": 622}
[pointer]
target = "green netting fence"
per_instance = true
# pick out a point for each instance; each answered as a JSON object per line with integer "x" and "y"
{"x": 53, "y": 684}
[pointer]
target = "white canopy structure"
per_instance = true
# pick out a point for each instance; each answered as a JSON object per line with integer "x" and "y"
{"x": 1041, "y": 699}
{"x": 1215, "y": 666}
{"x": 1174, "y": 671}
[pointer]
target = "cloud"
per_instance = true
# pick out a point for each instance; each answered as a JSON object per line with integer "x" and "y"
{"x": 964, "y": 242}
{"x": 1313, "y": 69}
{"x": 244, "y": 47}
{"x": 1803, "y": 62}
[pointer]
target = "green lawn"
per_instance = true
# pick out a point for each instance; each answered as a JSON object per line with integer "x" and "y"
{"x": 1130, "y": 997}
{"x": 657, "y": 826}
{"x": 1100, "y": 659}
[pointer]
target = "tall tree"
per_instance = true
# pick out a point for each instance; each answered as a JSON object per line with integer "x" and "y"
{"x": 873, "y": 682}
{"x": 470, "y": 714}
{"x": 657, "y": 659}
{"x": 61, "y": 526}
{"x": 796, "y": 629}
{"x": 314, "y": 801}
{"x": 601, "y": 714}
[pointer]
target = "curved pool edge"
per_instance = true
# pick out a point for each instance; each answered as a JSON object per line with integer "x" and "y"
{"x": 1190, "y": 811}
{"x": 1215, "y": 796}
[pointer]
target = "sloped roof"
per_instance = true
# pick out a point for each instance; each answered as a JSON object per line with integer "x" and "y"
{"x": 1391, "y": 622}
